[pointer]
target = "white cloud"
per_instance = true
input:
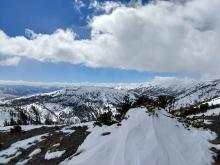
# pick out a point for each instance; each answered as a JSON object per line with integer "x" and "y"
{"x": 135, "y": 3}
{"x": 159, "y": 81}
{"x": 161, "y": 36}
{"x": 173, "y": 82}
{"x": 78, "y": 4}
{"x": 11, "y": 61}
{"x": 106, "y": 7}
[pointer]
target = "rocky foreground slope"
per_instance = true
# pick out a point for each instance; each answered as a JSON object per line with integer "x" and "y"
{"x": 143, "y": 137}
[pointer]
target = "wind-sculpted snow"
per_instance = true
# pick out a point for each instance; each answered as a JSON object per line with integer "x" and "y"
{"x": 145, "y": 139}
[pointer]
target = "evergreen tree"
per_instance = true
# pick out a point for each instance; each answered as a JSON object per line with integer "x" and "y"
{"x": 23, "y": 118}
{"x": 37, "y": 115}
{"x": 105, "y": 118}
{"x": 48, "y": 120}
{"x": 6, "y": 123}
{"x": 127, "y": 104}
{"x": 13, "y": 122}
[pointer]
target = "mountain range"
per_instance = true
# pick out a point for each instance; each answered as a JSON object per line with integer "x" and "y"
{"x": 85, "y": 102}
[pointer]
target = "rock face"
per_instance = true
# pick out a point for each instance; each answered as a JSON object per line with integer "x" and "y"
{"x": 85, "y": 103}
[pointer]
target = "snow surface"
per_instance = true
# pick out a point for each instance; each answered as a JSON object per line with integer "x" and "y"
{"x": 211, "y": 112}
{"x": 67, "y": 130}
{"x": 35, "y": 152}
{"x": 52, "y": 155}
{"x": 214, "y": 101}
{"x": 208, "y": 121}
{"x": 56, "y": 145}
{"x": 3, "y": 116}
{"x": 144, "y": 139}
{"x": 14, "y": 150}
{"x": 24, "y": 127}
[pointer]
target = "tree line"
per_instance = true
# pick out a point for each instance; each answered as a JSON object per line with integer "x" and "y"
{"x": 107, "y": 118}
{"x": 22, "y": 118}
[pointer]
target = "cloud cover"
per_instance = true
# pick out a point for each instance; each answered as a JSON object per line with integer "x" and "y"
{"x": 162, "y": 36}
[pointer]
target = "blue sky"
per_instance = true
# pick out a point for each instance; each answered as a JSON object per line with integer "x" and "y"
{"x": 45, "y": 16}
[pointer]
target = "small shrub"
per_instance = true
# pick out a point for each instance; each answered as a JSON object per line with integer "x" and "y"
{"x": 6, "y": 123}
{"x": 37, "y": 115}
{"x": 48, "y": 120}
{"x": 105, "y": 119}
{"x": 16, "y": 129}
{"x": 164, "y": 101}
{"x": 13, "y": 122}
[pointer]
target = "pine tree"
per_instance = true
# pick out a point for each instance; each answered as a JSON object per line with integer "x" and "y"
{"x": 6, "y": 123}
{"x": 23, "y": 117}
{"x": 37, "y": 115}
{"x": 12, "y": 122}
{"x": 127, "y": 104}
{"x": 48, "y": 120}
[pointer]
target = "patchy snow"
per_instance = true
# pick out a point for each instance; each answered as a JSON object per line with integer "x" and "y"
{"x": 214, "y": 101}
{"x": 56, "y": 145}
{"x": 208, "y": 121}
{"x": 4, "y": 116}
{"x": 217, "y": 146}
{"x": 211, "y": 112}
{"x": 14, "y": 150}
{"x": 53, "y": 155}
{"x": 67, "y": 130}
{"x": 145, "y": 139}
{"x": 35, "y": 152}
{"x": 24, "y": 127}
{"x": 90, "y": 125}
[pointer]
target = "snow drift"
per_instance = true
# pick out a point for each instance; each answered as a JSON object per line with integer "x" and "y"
{"x": 145, "y": 139}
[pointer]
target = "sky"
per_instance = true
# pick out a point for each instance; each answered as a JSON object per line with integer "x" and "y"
{"x": 108, "y": 41}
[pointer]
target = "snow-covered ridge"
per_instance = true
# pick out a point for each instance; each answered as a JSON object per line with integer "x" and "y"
{"x": 145, "y": 138}
{"x": 84, "y": 102}
{"x": 8, "y": 92}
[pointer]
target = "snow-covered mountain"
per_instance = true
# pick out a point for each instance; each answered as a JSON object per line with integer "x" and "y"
{"x": 143, "y": 135}
{"x": 200, "y": 92}
{"x": 13, "y": 91}
{"x": 145, "y": 139}
{"x": 86, "y": 102}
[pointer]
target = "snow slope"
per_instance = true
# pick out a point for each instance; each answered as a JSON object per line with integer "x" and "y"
{"x": 211, "y": 112}
{"x": 197, "y": 93}
{"x": 145, "y": 139}
{"x": 214, "y": 101}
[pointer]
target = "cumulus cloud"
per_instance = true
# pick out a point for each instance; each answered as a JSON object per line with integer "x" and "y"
{"x": 173, "y": 82}
{"x": 160, "y": 36}
{"x": 11, "y": 61}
